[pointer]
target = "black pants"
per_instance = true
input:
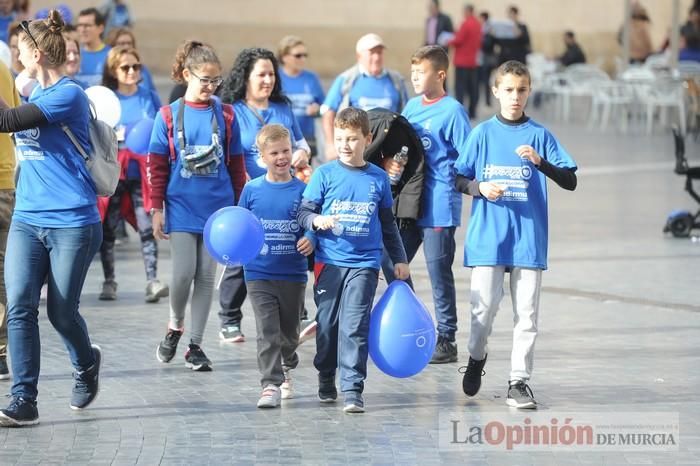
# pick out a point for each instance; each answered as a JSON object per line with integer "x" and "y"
{"x": 232, "y": 294}
{"x": 467, "y": 83}
{"x": 485, "y": 83}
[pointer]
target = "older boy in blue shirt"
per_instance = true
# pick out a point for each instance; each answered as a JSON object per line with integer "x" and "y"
{"x": 443, "y": 126}
{"x": 510, "y": 156}
{"x": 348, "y": 203}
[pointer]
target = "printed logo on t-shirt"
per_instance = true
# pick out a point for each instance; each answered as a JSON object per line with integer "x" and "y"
{"x": 368, "y": 103}
{"x": 356, "y": 214}
{"x": 513, "y": 178}
{"x": 27, "y": 143}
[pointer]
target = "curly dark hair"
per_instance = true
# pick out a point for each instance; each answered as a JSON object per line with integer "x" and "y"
{"x": 235, "y": 84}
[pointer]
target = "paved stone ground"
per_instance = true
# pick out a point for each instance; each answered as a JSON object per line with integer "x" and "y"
{"x": 620, "y": 334}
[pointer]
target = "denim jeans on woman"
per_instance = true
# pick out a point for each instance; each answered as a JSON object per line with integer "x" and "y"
{"x": 62, "y": 255}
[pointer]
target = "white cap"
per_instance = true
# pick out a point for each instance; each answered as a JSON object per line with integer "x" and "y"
{"x": 368, "y": 42}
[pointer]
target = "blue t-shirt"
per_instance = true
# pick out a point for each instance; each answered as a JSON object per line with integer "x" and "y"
{"x": 92, "y": 66}
{"x": 511, "y": 231}
{"x": 303, "y": 90}
{"x": 250, "y": 124}
{"x": 55, "y": 189}
{"x": 276, "y": 205}
{"x": 367, "y": 92}
{"x": 142, "y": 104}
{"x": 189, "y": 198}
{"x": 442, "y": 127}
{"x": 355, "y": 195}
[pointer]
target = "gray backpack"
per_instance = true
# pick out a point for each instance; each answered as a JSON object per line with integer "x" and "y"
{"x": 102, "y": 161}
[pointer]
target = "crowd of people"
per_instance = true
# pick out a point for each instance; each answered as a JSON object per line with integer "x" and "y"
{"x": 246, "y": 137}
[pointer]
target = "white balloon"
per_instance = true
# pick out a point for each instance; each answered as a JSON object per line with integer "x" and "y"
{"x": 5, "y": 54}
{"x": 106, "y": 104}
{"x": 25, "y": 85}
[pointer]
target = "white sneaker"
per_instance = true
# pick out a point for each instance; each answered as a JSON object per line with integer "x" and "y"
{"x": 270, "y": 397}
{"x": 286, "y": 388}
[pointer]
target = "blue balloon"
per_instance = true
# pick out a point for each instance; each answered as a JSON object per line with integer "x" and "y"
{"x": 138, "y": 137}
{"x": 42, "y": 14}
{"x": 233, "y": 236}
{"x": 401, "y": 332}
{"x": 66, "y": 13}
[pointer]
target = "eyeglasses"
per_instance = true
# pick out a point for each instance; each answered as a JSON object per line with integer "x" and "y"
{"x": 85, "y": 25}
{"x": 300, "y": 55}
{"x": 25, "y": 27}
{"x": 208, "y": 81}
{"x": 135, "y": 67}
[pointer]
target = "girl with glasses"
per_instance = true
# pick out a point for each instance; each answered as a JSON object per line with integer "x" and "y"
{"x": 196, "y": 167}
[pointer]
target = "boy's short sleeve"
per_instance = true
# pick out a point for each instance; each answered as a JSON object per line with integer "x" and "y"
{"x": 235, "y": 148}
{"x": 159, "y": 137}
{"x": 556, "y": 154}
{"x": 244, "y": 201}
{"x": 314, "y": 190}
{"x": 334, "y": 96}
{"x": 458, "y": 129}
{"x": 468, "y": 154}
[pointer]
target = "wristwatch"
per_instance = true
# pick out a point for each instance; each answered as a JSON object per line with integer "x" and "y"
{"x": 153, "y": 211}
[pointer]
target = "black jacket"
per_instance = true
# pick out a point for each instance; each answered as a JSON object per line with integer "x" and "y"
{"x": 390, "y": 131}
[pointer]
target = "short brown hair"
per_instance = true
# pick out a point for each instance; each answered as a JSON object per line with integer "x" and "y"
{"x": 435, "y": 54}
{"x": 271, "y": 133}
{"x": 511, "y": 67}
{"x": 109, "y": 75}
{"x": 352, "y": 118}
{"x": 286, "y": 45}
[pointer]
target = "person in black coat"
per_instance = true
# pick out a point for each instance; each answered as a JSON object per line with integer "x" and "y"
{"x": 573, "y": 53}
{"x": 436, "y": 23}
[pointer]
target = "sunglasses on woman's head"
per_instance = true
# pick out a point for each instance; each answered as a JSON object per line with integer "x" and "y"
{"x": 126, "y": 68}
{"x": 25, "y": 27}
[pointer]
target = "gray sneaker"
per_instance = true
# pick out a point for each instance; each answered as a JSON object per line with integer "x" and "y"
{"x": 109, "y": 291}
{"x": 87, "y": 383}
{"x": 520, "y": 396}
{"x": 232, "y": 334}
{"x": 4, "y": 371}
{"x": 445, "y": 351}
{"x": 156, "y": 290}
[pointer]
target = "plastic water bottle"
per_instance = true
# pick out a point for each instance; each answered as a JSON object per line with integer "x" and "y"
{"x": 402, "y": 159}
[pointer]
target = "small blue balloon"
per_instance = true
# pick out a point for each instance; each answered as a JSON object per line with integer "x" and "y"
{"x": 66, "y": 13}
{"x": 42, "y": 14}
{"x": 401, "y": 332}
{"x": 138, "y": 137}
{"x": 233, "y": 236}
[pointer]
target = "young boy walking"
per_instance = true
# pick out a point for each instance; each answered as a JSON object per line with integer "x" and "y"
{"x": 510, "y": 156}
{"x": 276, "y": 279}
{"x": 348, "y": 203}
{"x": 443, "y": 126}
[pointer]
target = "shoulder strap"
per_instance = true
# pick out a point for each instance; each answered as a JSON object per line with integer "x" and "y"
{"x": 229, "y": 116}
{"x": 167, "y": 112}
{"x": 350, "y": 76}
{"x": 75, "y": 142}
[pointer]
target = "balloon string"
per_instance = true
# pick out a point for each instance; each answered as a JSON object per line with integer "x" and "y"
{"x": 221, "y": 278}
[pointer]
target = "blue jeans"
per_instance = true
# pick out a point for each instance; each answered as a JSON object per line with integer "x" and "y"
{"x": 439, "y": 250}
{"x": 33, "y": 254}
{"x": 344, "y": 298}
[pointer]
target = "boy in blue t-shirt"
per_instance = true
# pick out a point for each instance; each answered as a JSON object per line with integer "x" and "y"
{"x": 348, "y": 203}
{"x": 442, "y": 126}
{"x": 510, "y": 156}
{"x": 276, "y": 279}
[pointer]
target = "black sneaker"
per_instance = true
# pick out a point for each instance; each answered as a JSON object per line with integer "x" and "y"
{"x": 19, "y": 413}
{"x": 471, "y": 382}
{"x": 87, "y": 383}
{"x": 327, "y": 393}
{"x": 196, "y": 360}
{"x": 445, "y": 351}
{"x": 167, "y": 348}
{"x": 520, "y": 396}
{"x": 4, "y": 371}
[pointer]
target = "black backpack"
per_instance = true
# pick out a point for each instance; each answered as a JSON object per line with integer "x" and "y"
{"x": 391, "y": 131}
